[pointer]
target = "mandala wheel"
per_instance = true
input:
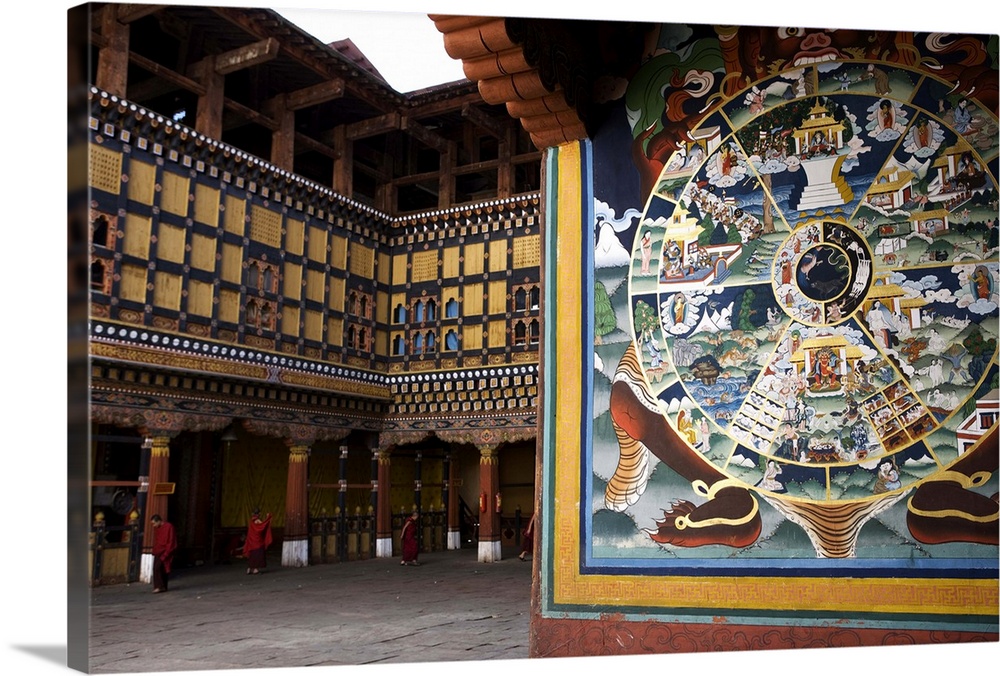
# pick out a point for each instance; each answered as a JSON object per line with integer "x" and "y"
{"x": 814, "y": 299}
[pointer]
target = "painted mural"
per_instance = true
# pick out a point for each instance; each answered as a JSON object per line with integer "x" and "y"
{"x": 795, "y": 309}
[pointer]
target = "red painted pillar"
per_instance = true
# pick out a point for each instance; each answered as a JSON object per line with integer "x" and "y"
{"x": 489, "y": 493}
{"x": 383, "y": 511}
{"x": 295, "y": 546}
{"x": 159, "y": 472}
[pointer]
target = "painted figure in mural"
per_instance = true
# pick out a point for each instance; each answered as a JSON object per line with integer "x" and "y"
{"x": 962, "y": 117}
{"x": 678, "y": 307}
{"x": 164, "y": 547}
{"x": 646, "y": 251}
{"x": 770, "y": 481}
{"x": 888, "y": 478}
{"x": 880, "y": 77}
{"x": 825, "y": 376}
{"x": 408, "y": 539}
{"x": 258, "y": 539}
{"x": 981, "y": 283}
{"x": 655, "y": 357}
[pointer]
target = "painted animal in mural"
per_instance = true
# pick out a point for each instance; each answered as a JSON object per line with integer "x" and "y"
{"x": 730, "y": 516}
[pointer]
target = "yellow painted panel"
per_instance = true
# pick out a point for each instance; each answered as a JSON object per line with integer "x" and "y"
{"x": 384, "y": 268}
{"x": 199, "y": 298}
{"x": 295, "y": 232}
{"x": 527, "y": 251}
{"x": 232, "y": 263}
{"x": 498, "y": 334}
{"x": 317, "y": 244}
{"x": 203, "y": 252}
{"x": 382, "y": 307}
{"x": 106, "y": 169}
{"x": 336, "y": 299}
{"x": 399, "y": 269}
{"x": 174, "y": 193}
{"x": 474, "y": 254}
{"x": 292, "y": 288}
{"x": 234, "y": 217}
{"x": 335, "y": 331}
{"x": 229, "y": 306}
{"x": 451, "y": 260}
{"x": 138, "y": 230}
{"x": 472, "y": 337}
{"x": 170, "y": 243}
{"x": 424, "y": 266}
{"x": 141, "y": 181}
{"x": 290, "y": 321}
{"x": 206, "y": 204}
{"x": 265, "y": 226}
{"x": 472, "y": 303}
{"x": 498, "y": 297}
{"x": 134, "y": 280}
{"x": 338, "y": 252}
{"x": 381, "y": 343}
{"x": 362, "y": 260}
{"x": 498, "y": 255}
{"x": 167, "y": 290}
{"x": 313, "y": 325}
{"x": 315, "y": 285}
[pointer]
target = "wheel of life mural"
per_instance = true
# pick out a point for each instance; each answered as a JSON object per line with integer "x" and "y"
{"x": 814, "y": 289}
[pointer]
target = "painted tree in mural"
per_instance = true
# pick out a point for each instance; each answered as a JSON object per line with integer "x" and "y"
{"x": 646, "y": 319}
{"x": 604, "y": 314}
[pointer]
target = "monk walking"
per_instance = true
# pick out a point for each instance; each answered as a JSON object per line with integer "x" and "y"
{"x": 258, "y": 540}
{"x": 408, "y": 537}
{"x": 164, "y": 546}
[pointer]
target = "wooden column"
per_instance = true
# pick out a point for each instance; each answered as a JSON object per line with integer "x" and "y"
{"x": 454, "y": 523}
{"x": 383, "y": 513}
{"x": 112, "y": 60}
{"x": 208, "y": 120}
{"x": 283, "y": 138}
{"x": 295, "y": 546}
{"x": 489, "y": 520}
{"x": 343, "y": 163}
{"x": 158, "y": 448}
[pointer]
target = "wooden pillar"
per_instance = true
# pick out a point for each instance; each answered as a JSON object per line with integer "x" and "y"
{"x": 451, "y": 504}
{"x": 446, "y": 177}
{"x": 383, "y": 513}
{"x": 489, "y": 519}
{"x": 343, "y": 164}
{"x": 283, "y": 138}
{"x": 208, "y": 119}
{"x": 295, "y": 546}
{"x": 112, "y": 60}
{"x": 158, "y": 448}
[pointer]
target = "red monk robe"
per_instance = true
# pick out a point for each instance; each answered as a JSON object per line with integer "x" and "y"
{"x": 164, "y": 546}
{"x": 258, "y": 540}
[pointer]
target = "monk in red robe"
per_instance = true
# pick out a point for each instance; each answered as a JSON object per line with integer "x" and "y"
{"x": 258, "y": 540}
{"x": 408, "y": 538}
{"x": 164, "y": 546}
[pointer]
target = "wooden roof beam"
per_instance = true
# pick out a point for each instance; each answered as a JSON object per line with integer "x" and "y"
{"x": 374, "y": 126}
{"x": 490, "y": 125}
{"x": 315, "y": 95}
{"x": 253, "y": 54}
{"x": 128, "y": 13}
{"x": 424, "y": 135}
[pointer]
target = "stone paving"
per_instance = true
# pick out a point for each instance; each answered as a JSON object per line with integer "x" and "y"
{"x": 451, "y": 607}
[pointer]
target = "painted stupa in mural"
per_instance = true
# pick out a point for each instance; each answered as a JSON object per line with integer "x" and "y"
{"x": 819, "y": 144}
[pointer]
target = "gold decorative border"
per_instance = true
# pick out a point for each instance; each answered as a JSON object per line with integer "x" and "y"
{"x": 608, "y": 593}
